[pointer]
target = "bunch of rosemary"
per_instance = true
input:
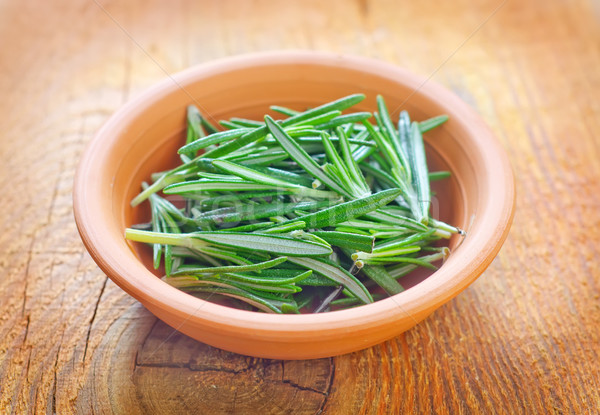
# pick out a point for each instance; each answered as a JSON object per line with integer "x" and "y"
{"x": 310, "y": 212}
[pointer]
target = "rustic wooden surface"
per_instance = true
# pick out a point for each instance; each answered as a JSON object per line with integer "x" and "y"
{"x": 524, "y": 338}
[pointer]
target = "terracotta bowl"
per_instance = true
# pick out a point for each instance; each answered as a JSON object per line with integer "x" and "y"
{"x": 143, "y": 136}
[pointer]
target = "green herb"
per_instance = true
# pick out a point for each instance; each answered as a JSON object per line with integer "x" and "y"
{"x": 317, "y": 211}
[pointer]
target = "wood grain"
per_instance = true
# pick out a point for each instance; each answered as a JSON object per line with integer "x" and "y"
{"x": 524, "y": 338}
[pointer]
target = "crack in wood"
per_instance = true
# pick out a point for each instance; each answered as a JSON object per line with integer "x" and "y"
{"x": 137, "y": 352}
{"x": 55, "y": 383}
{"x": 329, "y": 386}
{"x": 14, "y": 400}
{"x": 87, "y": 338}
{"x": 28, "y": 319}
{"x": 303, "y": 388}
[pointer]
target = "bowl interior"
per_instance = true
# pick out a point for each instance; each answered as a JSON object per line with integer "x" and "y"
{"x": 154, "y": 148}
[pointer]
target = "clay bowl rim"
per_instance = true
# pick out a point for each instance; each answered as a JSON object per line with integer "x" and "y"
{"x": 117, "y": 260}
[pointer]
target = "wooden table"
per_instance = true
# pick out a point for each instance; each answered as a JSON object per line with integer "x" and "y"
{"x": 524, "y": 338}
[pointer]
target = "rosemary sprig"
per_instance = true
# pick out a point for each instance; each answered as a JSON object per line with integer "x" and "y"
{"x": 313, "y": 210}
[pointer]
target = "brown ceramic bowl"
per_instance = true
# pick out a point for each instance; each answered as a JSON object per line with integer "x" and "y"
{"x": 143, "y": 136}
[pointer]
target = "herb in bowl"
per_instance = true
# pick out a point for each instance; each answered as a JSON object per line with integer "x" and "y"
{"x": 320, "y": 210}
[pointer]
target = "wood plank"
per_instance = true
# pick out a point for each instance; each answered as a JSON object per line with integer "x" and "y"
{"x": 523, "y": 338}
